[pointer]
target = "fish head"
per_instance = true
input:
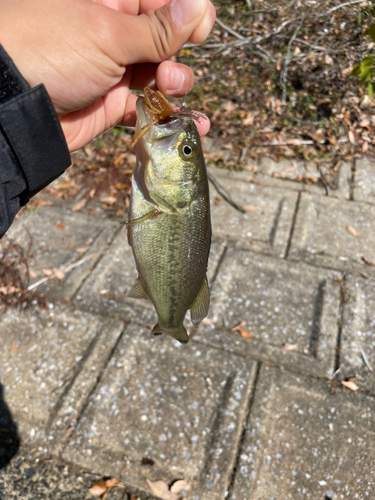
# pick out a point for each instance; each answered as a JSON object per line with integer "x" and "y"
{"x": 170, "y": 161}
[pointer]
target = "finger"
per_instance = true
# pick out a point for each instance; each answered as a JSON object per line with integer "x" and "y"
{"x": 158, "y": 34}
{"x": 204, "y": 29}
{"x": 169, "y": 77}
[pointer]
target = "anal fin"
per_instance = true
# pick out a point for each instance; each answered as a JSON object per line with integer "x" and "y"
{"x": 200, "y": 306}
{"x": 137, "y": 291}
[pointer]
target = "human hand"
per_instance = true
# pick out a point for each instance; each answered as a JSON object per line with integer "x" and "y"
{"x": 90, "y": 54}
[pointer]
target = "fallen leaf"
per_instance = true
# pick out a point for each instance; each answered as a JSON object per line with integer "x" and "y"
{"x": 109, "y": 200}
{"x": 238, "y": 326}
{"x": 97, "y": 491}
{"x": 47, "y": 272}
{"x": 32, "y": 273}
{"x": 328, "y": 59}
{"x": 180, "y": 486}
{"x": 79, "y": 205}
{"x": 161, "y": 490}
{"x": 207, "y": 321}
{"x": 368, "y": 261}
{"x": 351, "y": 136}
{"x": 82, "y": 249}
{"x": 350, "y": 385}
{"x": 351, "y": 231}
{"x": 58, "y": 273}
{"x": 250, "y": 208}
{"x": 60, "y": 225}
{"x": 245, "y": 334}
{"x": 13, "y": 347}
{"x": 121, "y": 185}
{"x": 290, "y": 347}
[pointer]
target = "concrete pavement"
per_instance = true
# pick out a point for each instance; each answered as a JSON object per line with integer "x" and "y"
{"x": 258, "y": 412}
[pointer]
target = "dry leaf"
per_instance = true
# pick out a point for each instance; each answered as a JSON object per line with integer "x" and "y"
{"x": 350, "y": 385}
{"x": 180, "y": 486}
{"x": 97, "y": 491}
{"x": 328, "y": 59}
{"x": 290, "y": 347}
{"x": 82, "y": 249}
{"x": 121, "y": 185}
{"x": 351, "y": 136}
{"x": 207, "y": 321}
{"x": 109, "y": 200}
{"x": 78, "y": 205}
{"x": 238, "y": 326}
{"x": 47, "y": 272}
{"x": 60, "y": 225}
{"x": 245, "y": 334}
{"x": 352, "y": 231}
{"x": 13, "y": 347}
{"x": 161, "y": 490}
{"x": 58, "y": 273}
{"x": 32, "y": 273}
{"x": 368, "y": 261}
{"x": 250, "y": 208}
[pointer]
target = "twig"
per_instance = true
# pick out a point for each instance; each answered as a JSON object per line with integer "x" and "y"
{"x": 366, "y": 361}
{"x": 292, "y": 142}
{"x": 229, "y": 30}
{"x": 249, "y": 4}
{"x": 64, "y": 268}
{"x": 340, "y": 7}
{"x": 284, "y": 71}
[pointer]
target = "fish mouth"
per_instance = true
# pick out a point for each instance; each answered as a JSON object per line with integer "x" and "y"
{"x": 142, "y": 117}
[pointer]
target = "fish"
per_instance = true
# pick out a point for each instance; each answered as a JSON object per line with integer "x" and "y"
{"x": 169, "y": 224}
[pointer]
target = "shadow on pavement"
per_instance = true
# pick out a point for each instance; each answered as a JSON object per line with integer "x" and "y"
{"x": 9, "y": 440}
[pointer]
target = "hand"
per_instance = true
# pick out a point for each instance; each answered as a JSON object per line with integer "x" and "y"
{"x": 90, "y": 54}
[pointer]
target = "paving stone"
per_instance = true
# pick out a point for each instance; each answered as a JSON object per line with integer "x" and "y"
{"x": 49, "y": 365}
{"x": 364, "y": 184}
{"x": 267, "y": 223}
{"x": 29, "y": 478}
{"x": 357, "y": 338}
{"x": 53, "y": 247}
{"x": 106, "y": 288}
{"x": 303, "y": 442}
{"x": 321, "y": 237}
{"x": 293, "y": 170}
{"x": 180, "y": 407}
{"x": 285, "y": 306}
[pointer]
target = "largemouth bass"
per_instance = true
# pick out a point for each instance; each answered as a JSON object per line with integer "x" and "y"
{"x": 169, "y": 226}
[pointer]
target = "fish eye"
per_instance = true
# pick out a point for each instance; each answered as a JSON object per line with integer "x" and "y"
{"x": 188, "y": 151}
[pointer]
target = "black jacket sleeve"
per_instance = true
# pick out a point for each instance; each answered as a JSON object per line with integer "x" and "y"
{"x": 33, "y": 150}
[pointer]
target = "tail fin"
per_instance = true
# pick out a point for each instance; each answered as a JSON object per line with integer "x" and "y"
{"x": 181, "y": 334}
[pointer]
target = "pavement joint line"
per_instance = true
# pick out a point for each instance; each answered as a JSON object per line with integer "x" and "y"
{"x": 216, "y": 272}
{"x": 340, "y": 323}
{"x": 97, "y": 381}
{"x": 95, "y": 263}
{"x": 68, "y": 386}
{"x": 244, "y": 429}
{"x": 294, "y": 219}
{"x": 276, "y": 222}
{"x": 352, "y": 181}
{"x": 315, "y": 330}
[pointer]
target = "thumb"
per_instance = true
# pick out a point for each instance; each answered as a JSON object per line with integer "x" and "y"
{"x": 157, "y": 35}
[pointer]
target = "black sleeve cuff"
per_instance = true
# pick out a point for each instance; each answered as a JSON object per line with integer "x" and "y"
{"x": 30, "y": 125}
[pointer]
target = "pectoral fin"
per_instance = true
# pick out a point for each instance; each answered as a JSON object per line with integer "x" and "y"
{"x": 137, "y": 291}
{"x": 200, "y": 306}
{"x": 149, "y": 215}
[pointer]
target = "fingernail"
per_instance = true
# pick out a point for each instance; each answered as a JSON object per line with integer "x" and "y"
{"x": 185, "y": 12}
{"x": 176, "y": 79}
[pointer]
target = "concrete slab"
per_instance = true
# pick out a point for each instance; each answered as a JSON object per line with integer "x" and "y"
{"x": 364, "y": 183}
{"x": 178, "y": 409}
{"x": 267, "y": 223}
{"x": 49, "y": 364}
{"x": 29, "y": 478}
{"x": 291, "y": 310}
{"x": 106, "y": 288}
{"x": 303, "y": 442}
{"x": 358, "y": 333}
{"x": 334, "y": 233}
{"x": 76, "y": 237}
